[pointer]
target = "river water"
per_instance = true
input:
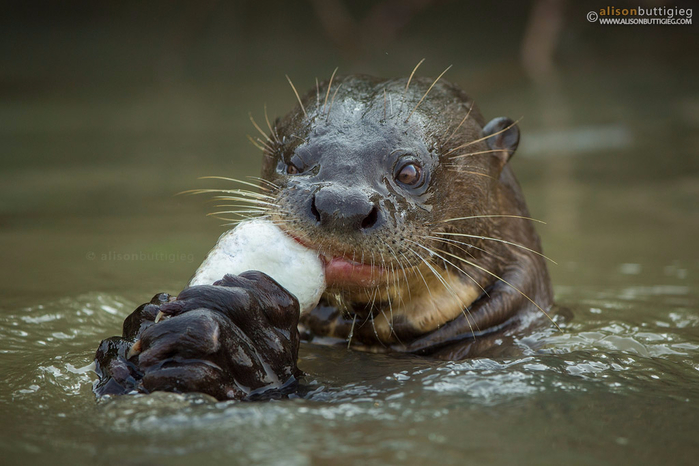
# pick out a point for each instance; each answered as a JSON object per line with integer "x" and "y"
{"x": 90, "y": 228}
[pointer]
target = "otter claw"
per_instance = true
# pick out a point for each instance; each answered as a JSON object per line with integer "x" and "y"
{"x": 134, "y": 350}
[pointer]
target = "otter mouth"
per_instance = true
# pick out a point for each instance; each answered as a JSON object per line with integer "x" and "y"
{"x": 342, "y": 272}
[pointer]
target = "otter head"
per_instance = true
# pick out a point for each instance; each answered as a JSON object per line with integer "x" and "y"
{"x": 372, "y": 173}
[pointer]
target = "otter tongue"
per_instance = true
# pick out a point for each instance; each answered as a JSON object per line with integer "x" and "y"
{"x": 261, "y": 245}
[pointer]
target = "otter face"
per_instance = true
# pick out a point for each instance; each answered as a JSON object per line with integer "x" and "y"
{"x": 356, "y": 189}
{"x": 366, "y": 171}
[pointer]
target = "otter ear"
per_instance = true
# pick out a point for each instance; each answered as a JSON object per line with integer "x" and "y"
{"x": 502, "y": 135}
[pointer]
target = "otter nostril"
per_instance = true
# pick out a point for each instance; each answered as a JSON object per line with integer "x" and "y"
{"x": 314, "y": 209}
{"x": 370, "y": 220}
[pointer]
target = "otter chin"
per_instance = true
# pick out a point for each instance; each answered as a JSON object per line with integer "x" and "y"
{"x": 407, "y": 195}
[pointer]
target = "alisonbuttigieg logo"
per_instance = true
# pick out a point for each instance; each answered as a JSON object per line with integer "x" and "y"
{"x": 139, "y": 256}
{"x": 611, "y": 15}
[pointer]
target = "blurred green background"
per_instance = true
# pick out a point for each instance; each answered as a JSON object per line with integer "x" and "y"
{"x": 107, "y": 109}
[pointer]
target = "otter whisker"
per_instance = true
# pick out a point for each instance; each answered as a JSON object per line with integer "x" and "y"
{"x": 407, "y": 85}
{"x": 255, "y": 213}
{"x": 264, "y": 144}
{"x": 388, "y": 297}
{"x": 484, "y": 138}
{"x": 512, "y": 286}
{"x": 255, "y": 143}
{"x": 260, "y": 144}
{"x": 396, "y": 284}
{"x": 468, "y": 245}
{"x": 267, "y": 182}
{"x": 317, "y": 92}
{"x": 249, "y": 205}
{"x": 384, "y": 103}
{"x": 373, "y": 263}
{"x": 232, "y": 220}
{"x": 330, "y": 84}
{"x": 258, "y": 208}
{"x": 493, "y": 216}
{"x": 465, "y": 309}
{"x": 266, "y": 216}
{"x": 370, "y": 314}
{"x": 416, "y": 270}
{"x": 241, "y": 192}
{"x": 246, "y": 211}
{"x": 238, "y": 221}
{"x": 393, "y": 252}
{"x": 269, "y": 125}
{"x": 427, "y": 92}
{"x": 498, "y": 240}
{"x": 351, "y": 332}
{"x": 234, "y": 180}
{"x": 248, "y": 202}
{"x": 277, "y": 221}
{"x": 457, "y": 156}
{"x": 459, "y": 169}
{"x": 448, "y": 241}
{"x": 405, "y": 277}
{"x": 376, "y": 333}
{"x": 370, "y": 306}
{"x": 459, "y": 126}
{"x": 390, "y": 310}
{"x": 243, "y": 199}
{"x": 297, "y": 96}
{"x": 254, "y": 123}
{"x": 431, "y": 251}
{"x": 435, "y": 272}
{"x": 217, "y": 199}
{"x": 234, "y": 212}
{"x": 446, "y": 287}
{"x": 333, "y": 100}
{"x": 231, "y": 224}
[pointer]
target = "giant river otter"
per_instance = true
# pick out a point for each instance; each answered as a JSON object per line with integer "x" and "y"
{"x": 428, "y": 248}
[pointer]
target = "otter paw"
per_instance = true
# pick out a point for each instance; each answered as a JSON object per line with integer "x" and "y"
{"x": 235, "y": 339}
{"x": 144, "y": 316}
{"x": 117, "y": 375}
{"x": 266, "y": 302}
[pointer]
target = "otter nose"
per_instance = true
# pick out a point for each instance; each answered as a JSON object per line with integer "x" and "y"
{"x": 344, "y": 209}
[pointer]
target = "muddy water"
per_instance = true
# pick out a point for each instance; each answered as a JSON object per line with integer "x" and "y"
{"x": 90, "y": 228}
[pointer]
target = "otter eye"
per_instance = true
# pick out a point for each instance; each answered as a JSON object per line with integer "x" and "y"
{"x": 410, "y": 174}
{"x": 296, "y": 165}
